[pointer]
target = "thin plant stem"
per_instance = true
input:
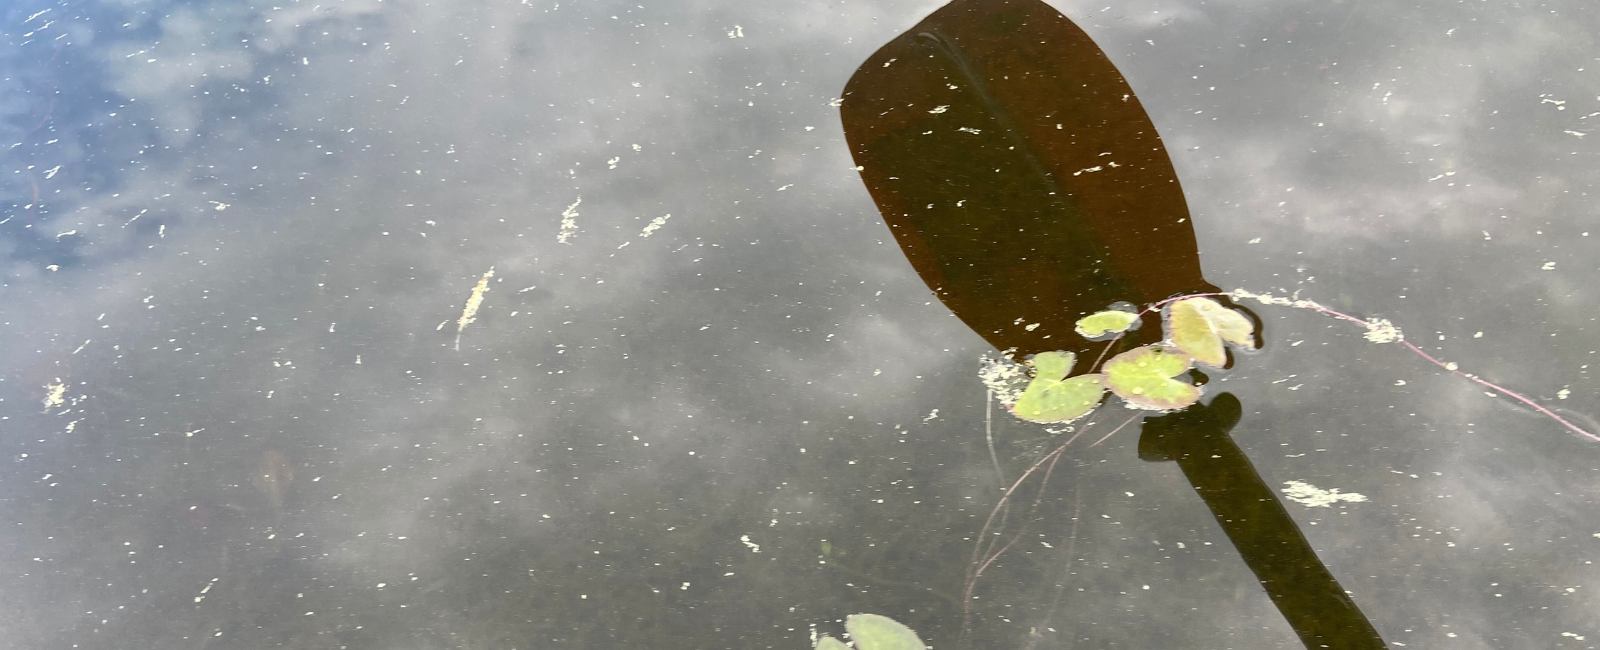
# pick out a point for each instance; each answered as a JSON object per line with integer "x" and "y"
{"x": 1312, "y": 306}
{"x": 1485, "y": 383}
{"x": 1066, "y": 566}
{"x": 978, "y": 547}
{"x": 988, "y": 435}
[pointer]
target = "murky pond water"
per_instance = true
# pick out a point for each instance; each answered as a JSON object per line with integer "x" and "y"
{"x": 546, "y": 324}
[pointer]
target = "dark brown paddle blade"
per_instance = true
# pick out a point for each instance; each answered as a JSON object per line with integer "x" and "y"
{"x": 1019, "y": 174}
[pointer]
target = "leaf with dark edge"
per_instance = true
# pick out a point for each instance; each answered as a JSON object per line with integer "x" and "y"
{"x": 1146, "y": 378}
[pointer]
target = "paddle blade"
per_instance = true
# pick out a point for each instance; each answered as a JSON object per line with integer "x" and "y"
{"x": 1019, "y": 173}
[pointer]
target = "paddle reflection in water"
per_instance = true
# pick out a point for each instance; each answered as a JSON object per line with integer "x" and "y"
{"x": 1028, "y": 188}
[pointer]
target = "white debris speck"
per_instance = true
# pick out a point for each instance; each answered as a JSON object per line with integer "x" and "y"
{"x": 1004, "y": 376}
{"x": 654, "y": 225}
{"x": 612, "y": 164}
{"x": 469, "y": 313}
{"x": 55, "y": 394}
{"x": 1032, "y": 327}
{"x": 1548, "y": 266}
{"x": 66, "y": 233}
{"x": 1451, "y": 365}
{"x": 754, "y": 547}
{"x": 219, "y": 206}
{"x": 969, "y": 129}
{"x": 1088, "y": 170}
{"x": 203, "y": 591}
{"x": 1563, "y": 393}
{"x": 1380, "y": 330}
{"x": 931, "y": 415}
{"x": 685, "y": 587}
{"x": 939, "y": 109}
{"x": 51, "y": 173}
{"x": 569, "y": 222}
{"x": 1575, "y": 637}
{"x": 736, "y": 32}
{"x": 1312, "y": 496}
{"x": 1254, "y": 241}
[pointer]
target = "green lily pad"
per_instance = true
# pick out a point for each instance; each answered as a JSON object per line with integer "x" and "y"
{"x": 1102, "y": 324}
{"x": 874, "y": 632}
{"x": 1051, "y": 397}
{"x": 1199, "y": 326}
{"x": 1145, "y": 378}
{"x": 830, "y": 643}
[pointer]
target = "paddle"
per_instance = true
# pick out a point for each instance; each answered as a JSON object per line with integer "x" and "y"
{"x": 1028, "y": 188}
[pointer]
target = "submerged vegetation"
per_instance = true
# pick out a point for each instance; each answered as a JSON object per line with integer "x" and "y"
{"x": 873, "y": 632}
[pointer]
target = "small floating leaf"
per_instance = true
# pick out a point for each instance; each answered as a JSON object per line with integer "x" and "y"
{"x": 1052, "y": 365}
{"x": 874, "y": 632}
{"x": 1102, "y": 323}
{"x": 1199, "y": 326}
{"x": 830, "y": 643}
{"x": 1145, "y": 378}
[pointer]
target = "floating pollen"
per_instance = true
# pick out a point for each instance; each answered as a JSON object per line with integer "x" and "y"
{"x": 469, "y": 313}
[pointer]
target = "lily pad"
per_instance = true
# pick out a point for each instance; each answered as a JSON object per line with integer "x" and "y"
{"x": 1051, "y": 397}
{"x": 1145, "y": 377}
{"x": 830, "y": 643}
{"x": 1199, "y": 326}
{"x": 875, "y": 632}
{"x": 1102, "y": 324}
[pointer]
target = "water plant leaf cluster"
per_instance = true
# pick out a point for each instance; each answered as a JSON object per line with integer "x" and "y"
{"x": 874, "y": 632}
{"x": 1150, "y": 377}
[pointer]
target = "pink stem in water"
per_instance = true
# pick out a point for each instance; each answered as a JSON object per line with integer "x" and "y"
{"x": 1503, "y": 391}
{"x": 1343, "y": 316}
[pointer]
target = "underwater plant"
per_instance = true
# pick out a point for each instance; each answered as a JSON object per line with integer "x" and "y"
{"x": 873, "y": 632}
